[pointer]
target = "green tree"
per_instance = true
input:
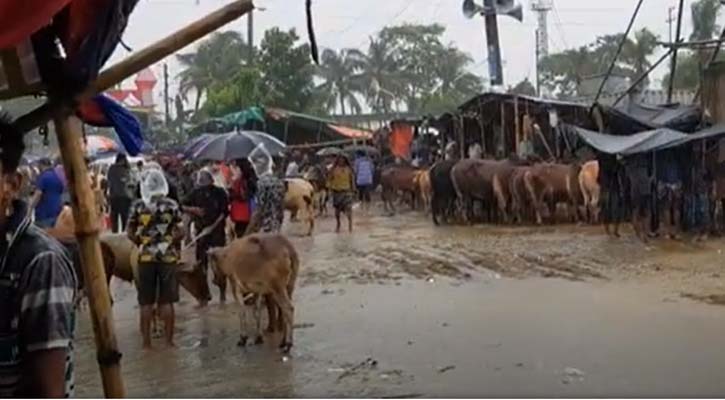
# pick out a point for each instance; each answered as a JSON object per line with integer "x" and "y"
{"x": 340, "y": 83}
{"x": 454, "y": 83}
{"x": 524, "y": 87}
{"x": 562, "y": 73}
{"x": 287, "y": 74}
{"x": 704, "y": 14}
{"x": 379, "y": 74}
{"x": 241, "y": 91}
{"x": 414, "y": 46}
{"x": 216, "y": 60}
{"x": 428, "y": 70}
{"x": 637, "y": 54}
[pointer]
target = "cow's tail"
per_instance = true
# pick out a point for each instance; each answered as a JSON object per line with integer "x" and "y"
{"x": 310, "y": 209}
{"x": 295, "y": 267}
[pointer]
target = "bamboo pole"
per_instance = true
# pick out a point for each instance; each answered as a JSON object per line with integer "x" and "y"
{"x": 138, "y": 61}
{"x": 517, "y": 124}
{"x": 82, "y": 197}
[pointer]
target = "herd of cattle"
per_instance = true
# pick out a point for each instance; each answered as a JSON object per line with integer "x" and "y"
{"x": 507, "y": 191}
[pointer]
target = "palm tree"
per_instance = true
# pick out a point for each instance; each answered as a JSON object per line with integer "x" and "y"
{"x": 337, "y": 70}
{"x": 378, "y": 73}
{"x": 637, "y": 52}
{"x": 454, "y": 79}
{"x": 215, "y": 60}
{"x": 704, "y": 19}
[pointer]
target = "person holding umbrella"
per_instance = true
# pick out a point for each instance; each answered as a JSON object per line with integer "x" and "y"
{"x": 241, "y": 193}
{"x": 342, "y": 185}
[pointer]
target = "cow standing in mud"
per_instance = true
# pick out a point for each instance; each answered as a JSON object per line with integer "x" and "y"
{"x": 398, "y": 178}
{"x": 561, "y": 186}
{"x": 527, "y": 190}
{"x": 263, "y": 267}
{"x": 299, "y": 197}
{"x": 590, "y": 190}
{"x": 443, "y": 196}
{"x": 423, "y": 186}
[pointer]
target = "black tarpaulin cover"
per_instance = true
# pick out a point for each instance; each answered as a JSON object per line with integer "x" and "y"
{"x": 636, "y": 117}
{"x": 647, "y": 141}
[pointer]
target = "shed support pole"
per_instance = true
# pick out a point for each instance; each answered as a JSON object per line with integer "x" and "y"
{"x": 86, "y": 220}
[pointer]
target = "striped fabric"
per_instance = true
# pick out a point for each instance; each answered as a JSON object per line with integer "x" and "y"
{"x": 44, "y": 314}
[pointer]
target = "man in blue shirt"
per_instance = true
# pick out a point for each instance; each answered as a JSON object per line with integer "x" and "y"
{"x": 364, "y": 171}
{"x": 48, "y": 197}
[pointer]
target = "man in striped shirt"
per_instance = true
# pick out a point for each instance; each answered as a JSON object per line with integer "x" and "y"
{"x": 38, "y": 291}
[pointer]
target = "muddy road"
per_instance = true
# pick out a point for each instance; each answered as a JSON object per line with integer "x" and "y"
{"x": 401, "y": 308}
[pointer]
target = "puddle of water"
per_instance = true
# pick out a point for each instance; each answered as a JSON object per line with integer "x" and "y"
{"x": 501, "y": 338}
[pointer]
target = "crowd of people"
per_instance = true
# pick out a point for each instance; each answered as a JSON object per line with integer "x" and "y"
{"x": 164, "y": 208}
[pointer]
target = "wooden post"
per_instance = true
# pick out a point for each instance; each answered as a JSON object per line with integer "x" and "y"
{"x": 84, "y": 212}
{"x": 517, "y": 125}
{"x": 461, "y": 137}
{"x": 503, "y": 129}
{"x": 140, "y": 60}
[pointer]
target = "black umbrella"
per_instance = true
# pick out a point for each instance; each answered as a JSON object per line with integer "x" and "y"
{"x": 329, "y": 151}
{"x": 236, "y": 145}
{"x": 196, "y": 143}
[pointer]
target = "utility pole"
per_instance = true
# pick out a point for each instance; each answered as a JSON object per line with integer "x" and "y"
{"x": 670, "y": 19}
{"x": 250, "y": 35}
{"x": 542, "y": 8}
{"x": 673, "y": 65}
{"x": 167, "y": 117}
{"x": 495, "y": 69}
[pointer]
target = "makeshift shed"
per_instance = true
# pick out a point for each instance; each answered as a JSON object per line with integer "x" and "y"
{"x": 498, "y": 121}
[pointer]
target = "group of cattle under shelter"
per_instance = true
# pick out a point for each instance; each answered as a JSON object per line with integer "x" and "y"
{"x": 662, "y": 167}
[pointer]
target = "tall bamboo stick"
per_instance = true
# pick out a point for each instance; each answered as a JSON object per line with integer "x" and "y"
{"x": 84, "y": 213}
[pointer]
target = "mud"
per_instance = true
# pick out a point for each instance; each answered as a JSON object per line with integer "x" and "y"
{"x": 401, "y": 308}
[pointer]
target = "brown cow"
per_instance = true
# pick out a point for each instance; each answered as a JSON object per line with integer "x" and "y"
{"x": 473, "y": 181}
{"x": 502, "y": 190}
{"x": 560, "y": 186}
{"x": 298, "y": 197}
{"x": 527, "y": 189}
{"x": 262, "y": 265}
{"x": 590, "y": 190}
{"x": 424, "y": 189}
{"x": 397, "y": 178}
{"x": 125, "y": 254}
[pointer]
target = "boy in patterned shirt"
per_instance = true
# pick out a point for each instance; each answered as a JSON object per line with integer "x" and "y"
{"x": 155, "y": 226}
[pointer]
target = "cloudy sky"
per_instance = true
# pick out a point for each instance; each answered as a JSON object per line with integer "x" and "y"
{"x": 349, "y": 23}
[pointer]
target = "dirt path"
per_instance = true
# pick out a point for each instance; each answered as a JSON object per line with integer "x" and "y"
{"x": 401, "y": 308}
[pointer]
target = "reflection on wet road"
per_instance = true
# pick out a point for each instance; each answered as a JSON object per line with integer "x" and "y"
{"x": 402, "y": 309}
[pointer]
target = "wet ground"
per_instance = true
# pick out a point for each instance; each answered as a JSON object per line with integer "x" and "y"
{"x": 401, "y": 308}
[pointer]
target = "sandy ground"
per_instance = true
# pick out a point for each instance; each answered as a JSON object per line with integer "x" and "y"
{"x": 401, "y": 308}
